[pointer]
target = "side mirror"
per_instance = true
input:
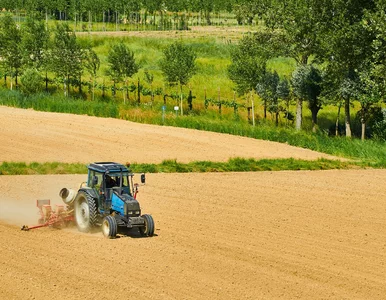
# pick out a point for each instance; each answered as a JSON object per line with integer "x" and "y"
{"x": 143, "y": 178}
{"x": 94, "y": 180}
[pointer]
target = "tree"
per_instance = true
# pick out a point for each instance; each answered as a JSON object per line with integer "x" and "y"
{"x": 245, "y": 11}
{"x": 66, "y": 56}
{"x": 345, "y": 49}
{"x": 31, "y": 81}
{"x": 178, "y": 63}
{"x": 92, "y": 65}
{"x": 266, "y": 88}
{"x": 247, "y": 65}
{"x": 10, "y": 51}
{"x": 121, "y": 64}
{"x": 249, "y": 60}
{"x": 306, "y": 82}
{"x": 34, "y": 43}
{"x": 302, "y": 23}
{"x": 369, "y": 93}
{"x": 284, "y": 94}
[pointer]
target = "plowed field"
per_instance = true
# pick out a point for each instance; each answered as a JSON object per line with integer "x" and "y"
{"x": 309, "y": 235}
{"x": 266, "y": 235}
{"x": 29, "y": 135}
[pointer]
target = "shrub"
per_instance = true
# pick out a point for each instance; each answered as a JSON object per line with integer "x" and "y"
{"x": 31, "y": 81}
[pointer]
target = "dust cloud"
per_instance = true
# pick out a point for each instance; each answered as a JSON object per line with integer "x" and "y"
{"x": 18, "y": 195}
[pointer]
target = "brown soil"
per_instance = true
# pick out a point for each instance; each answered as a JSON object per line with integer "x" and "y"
{"x": 30, "y": 135}
{"x": 267, "y": 235}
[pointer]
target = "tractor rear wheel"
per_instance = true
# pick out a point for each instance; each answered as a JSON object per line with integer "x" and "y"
{"x": 148, "y": 229}
{"x": 109, "y": 227}
{"x": 85, "y": 211}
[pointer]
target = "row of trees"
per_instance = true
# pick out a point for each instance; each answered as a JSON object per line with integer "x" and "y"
{"x": 33, "y": 53}
{"x": 111, "y": 11}
{"x": 339, "y": 48}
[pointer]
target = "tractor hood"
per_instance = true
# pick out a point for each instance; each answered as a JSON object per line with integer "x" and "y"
{"x": 125, "y": 205}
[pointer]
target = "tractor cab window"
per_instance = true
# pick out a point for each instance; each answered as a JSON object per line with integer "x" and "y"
{"x": 116, "y": 179}
{"x": 95, "y": 179}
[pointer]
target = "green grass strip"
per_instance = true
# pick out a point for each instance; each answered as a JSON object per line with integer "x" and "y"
{"x": 172, "y": 166}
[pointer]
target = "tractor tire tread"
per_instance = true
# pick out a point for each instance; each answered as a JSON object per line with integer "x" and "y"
{"x": 113, "y": 227}
{"x": 149, "y": 231}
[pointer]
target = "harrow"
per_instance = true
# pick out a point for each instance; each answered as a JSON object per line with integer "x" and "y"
{"x": 59, "y": 217}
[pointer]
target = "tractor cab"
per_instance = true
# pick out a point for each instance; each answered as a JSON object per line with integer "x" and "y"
{"x": 113, "y": 183}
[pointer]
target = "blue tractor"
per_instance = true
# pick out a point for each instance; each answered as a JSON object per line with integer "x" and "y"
{"x": 108, "y": 199}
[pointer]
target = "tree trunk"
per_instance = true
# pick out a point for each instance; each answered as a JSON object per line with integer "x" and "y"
{"x": 182, "y": 110}
{"x": 347, "y": 118}
{"x": 93, "y": 89}
{"x": 124, "y": 92}
{"x": 265, "y": 109}
{"x": 314, "y": 113}
{"x": 46, "y": 82}
{"x": 207, "y": 17}
{"x": 139, "y": 93}
{"x": 363, "y": 129}
{"x": 299, "y": 106}
{"x": 337, "y": 120}
{"x": 68, "y": 85}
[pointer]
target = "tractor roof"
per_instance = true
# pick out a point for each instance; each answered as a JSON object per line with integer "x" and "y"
{"x": 107, "y": 167}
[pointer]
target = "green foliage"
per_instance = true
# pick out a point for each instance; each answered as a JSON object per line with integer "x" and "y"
{"x": 34, "y": 43}
{"x": 11, "y": 59}
{"x": 178, "y": 63}
{"x": 121, "y": 62}
{"x": 379, "y": 126}
{"x": 249, "y": 59}
{"x": 307, "y": 86}
{"x": 91, "y": 62}
{"x": 66, "y": 55}
{"x": 31, "y": 81}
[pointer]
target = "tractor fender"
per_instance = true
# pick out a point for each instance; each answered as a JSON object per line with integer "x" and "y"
{"x": 89, "y": 191}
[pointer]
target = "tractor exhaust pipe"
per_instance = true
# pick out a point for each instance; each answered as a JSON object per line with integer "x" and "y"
{"x": 67, "y": 195}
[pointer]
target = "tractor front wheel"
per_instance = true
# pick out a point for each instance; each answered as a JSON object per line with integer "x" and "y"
{"x": 109, "y": 227}
{"x": 148, "y": 229}
{"x": 85, "y": 211}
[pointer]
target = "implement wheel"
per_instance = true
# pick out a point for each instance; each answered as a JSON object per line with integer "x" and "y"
{"x": 148, "y": 229}
{"x": 109, "y": 227}
{"x": 85, "y": 211}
